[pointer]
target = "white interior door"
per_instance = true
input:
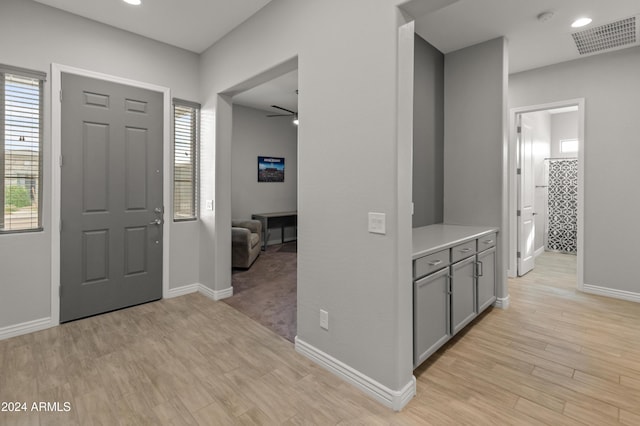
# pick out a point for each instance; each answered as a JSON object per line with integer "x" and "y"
{"x": 526, "y": 197}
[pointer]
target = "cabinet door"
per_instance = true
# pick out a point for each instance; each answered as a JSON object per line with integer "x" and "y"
{"x": 463, "y": 293}
{"x": 486, "y": 270}
{"x": 430, "y": 314}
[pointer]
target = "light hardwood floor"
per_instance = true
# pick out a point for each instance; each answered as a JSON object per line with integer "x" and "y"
{"x": 554, "y": 357}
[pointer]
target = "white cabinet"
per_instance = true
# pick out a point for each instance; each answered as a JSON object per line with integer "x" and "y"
{"x": 454, "y": 271}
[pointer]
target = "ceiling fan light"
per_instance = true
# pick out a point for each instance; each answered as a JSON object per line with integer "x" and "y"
{"x": 581, "y": 22}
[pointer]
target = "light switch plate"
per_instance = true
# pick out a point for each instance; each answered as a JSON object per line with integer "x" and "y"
{"x": 324, "y": 319}
{"x": 377, "y": 223}
{"x": 209, "y": 204}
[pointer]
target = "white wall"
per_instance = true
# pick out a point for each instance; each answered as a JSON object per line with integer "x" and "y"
{"x": 474, "y": 140}
{"x": 428, "y": 134}
{"x": 255, "y": 134}
{"x": 48, "y": 35}
{"x": 347, "y": 148}
{"x": 611, "y": 151}
{"x": 563, "y": 126}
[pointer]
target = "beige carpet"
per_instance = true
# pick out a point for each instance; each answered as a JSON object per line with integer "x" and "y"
{"x": 267, "y": 291}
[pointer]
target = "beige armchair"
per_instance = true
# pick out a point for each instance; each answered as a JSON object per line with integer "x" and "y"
{"x": 246, "y": 242}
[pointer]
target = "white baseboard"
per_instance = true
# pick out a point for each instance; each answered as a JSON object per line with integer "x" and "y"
{"x": 502, "y": 302}
{"x": 393, "y": 399}
{"x": 216, "y": 294}
{"x": 539, "y": 251}
{"x": 201, "y": 288}
{"x": 611, "y": 292}
{"x": 25, "y": 328}
{"x": 223, "y": 294}
{"x": 181, "y": 291}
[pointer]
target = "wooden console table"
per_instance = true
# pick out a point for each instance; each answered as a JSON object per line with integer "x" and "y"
{"x": 275, "y": 220}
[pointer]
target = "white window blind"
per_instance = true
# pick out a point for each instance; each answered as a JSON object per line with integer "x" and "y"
{"x": 186, "y": 121}
{"x": 20, "y": 149}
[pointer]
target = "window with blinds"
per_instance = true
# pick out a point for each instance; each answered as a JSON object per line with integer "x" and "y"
{"x": 186, "y": 122}
{"x": 20, "y": 149}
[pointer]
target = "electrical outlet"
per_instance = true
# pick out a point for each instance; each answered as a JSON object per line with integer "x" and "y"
{"x": 209, "y": 204}
{"x": 324, "y": 319}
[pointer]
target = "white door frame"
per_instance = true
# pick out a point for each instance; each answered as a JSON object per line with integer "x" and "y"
{"x": 513, "y": 182}
{"x": 56, "y": 142}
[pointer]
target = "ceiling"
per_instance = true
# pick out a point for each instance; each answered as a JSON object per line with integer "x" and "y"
{"x": 197, "y": 24}
{"x": 532, "y": 43}
{"x": 190, "y": 24}
{"x": 280, "y": 91}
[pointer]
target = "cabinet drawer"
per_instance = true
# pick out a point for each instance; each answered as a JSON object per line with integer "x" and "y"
{"x": 462, "y": 251}
{"x": 487, "y": 241}
{"x": 431, "y": 263}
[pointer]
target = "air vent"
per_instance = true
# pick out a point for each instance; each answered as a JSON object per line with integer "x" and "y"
{"x": 622, "y": 33}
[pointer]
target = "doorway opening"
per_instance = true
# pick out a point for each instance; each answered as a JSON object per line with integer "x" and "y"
{"x": 547, "y": 187}
{"x": 264, "y": 203}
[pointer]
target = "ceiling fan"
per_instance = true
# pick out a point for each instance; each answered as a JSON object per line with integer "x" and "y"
{"x": 290, "y": 113}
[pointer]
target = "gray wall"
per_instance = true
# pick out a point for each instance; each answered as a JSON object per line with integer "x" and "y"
{"x": 428, "y": 134}
{"x": 474, "y": 139}
{"x": 255, "y": 135}
{"x": 347, "y": 150}
{"x": 48, "y": 35}
{"x": 608, "y": 83}
{"x": 563, "y": 126}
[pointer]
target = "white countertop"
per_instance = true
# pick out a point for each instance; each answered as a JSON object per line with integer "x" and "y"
{"x": 432, "y": 238}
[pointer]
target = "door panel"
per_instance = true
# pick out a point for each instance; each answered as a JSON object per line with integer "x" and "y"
{"x": 136, "y": 168}
{"x": 135, "y": 254}
{"x": 95, "y": 163}
{"x": 111, "y": 187}
{"x": 526, "y": 196}
{"x": 430, "y": 314}
{"x": 486, "y": 278}
{"x": 95, "y": 255}
{"x": 463, "y": 294}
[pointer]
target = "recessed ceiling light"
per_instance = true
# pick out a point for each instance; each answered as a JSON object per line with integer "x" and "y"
{"x": 133, "y": 2}
{"x": 581, "y": 22}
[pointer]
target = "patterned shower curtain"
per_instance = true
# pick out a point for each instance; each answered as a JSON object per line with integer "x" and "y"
{"x": 563, "y": 205}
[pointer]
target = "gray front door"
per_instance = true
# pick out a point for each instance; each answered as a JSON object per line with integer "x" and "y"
{"x": 111, "y": 197}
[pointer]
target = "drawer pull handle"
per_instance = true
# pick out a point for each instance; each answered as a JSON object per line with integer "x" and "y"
{"x": 465, "y": 250}
{"x": 435, "y": 262}
{"x": 488, "y": 241}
